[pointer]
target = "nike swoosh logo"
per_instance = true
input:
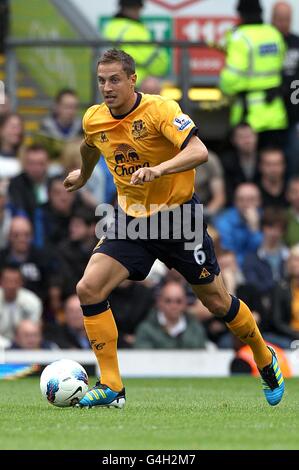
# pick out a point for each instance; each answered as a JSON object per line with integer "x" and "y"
{"x": 79, "y": 389}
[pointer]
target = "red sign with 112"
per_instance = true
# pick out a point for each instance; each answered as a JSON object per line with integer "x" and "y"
{"x": 212, "y": 30}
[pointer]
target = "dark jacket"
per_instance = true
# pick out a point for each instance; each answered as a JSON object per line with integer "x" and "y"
{"x": 269, "y": 200}
{"x": 258, "y": 272}
{"x": 55, "y": 225}
{"x": 37, "y": 269}
{"x": 64, "y": 337}
{"x": 73, "y": 257}
{"x": 23, "y": 201}
{"x": 282, "y": 311}
{"x": 22, "y": 195}
{"x": 234, "y": 174}
{"x": 130, "y": 306}
{"x": 47, "y": 345}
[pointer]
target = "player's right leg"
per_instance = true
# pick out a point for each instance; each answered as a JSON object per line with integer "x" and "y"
{"x": 102, "y": 274}
{"x": 242, "y": 324}
{"x": 200, "y": 268}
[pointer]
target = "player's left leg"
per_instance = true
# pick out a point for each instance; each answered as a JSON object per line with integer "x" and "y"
{"x": 101, "y": 276}
{"x": 112, "y": 262}
{"x": 242, "y": 324}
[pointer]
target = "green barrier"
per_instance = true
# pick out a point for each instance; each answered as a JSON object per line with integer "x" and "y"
{"x": 51, "y": 68}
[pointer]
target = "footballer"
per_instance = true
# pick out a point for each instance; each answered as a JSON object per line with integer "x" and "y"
{"x": 152, "y": 149}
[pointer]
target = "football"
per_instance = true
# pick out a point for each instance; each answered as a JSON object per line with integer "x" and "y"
{"x": 63, "y": 383}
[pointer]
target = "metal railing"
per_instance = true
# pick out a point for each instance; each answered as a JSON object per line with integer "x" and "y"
{"x": 97, "y": 46}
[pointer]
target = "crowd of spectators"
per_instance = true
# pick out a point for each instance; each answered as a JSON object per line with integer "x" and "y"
{"x": 251, "y": 203}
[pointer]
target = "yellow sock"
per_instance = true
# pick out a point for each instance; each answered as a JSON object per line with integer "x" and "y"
{"x": 245, "y": 328}
{"x": 102, "y": 333}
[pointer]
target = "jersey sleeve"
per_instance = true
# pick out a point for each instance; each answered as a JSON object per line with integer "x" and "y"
{"x": 176, "y": 126}
{"x": 86, "y": 124}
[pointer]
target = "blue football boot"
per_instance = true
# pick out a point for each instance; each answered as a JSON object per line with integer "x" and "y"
{"x": 272, "y": 381}
{"x": 101, "y": 395}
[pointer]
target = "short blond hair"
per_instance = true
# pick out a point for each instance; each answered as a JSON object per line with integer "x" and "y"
{"x": 294, "y": 251}
{"x": 70, "y": 157}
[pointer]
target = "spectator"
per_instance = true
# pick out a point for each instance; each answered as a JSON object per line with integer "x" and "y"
{"x": 286, "y": 301}
{"x": 267, "y": 266}
{"x": 151, "y": 86}
{"x": 53, "y": 305}
{"x": 11, "y": 137}
{"x": 28, "y": 335}
{"x": 4, "y": 23}
{"x": 5, "y": 215}
{"x": 281, "y": 19}
{"x": 127, "y": 312}
{"x": 127, "y": 26}
{"x": 5, "y": 107}
{"x": 241, "y": 162}
{"x": 28, "y": 191}
{"x": 74, "y": 252}
{"x": 70, "y": 335}
{"x": 64, "y": 123}
{"x": 16, "y": 303}
{"x": 272, "y": 177}
{"x": 36, "y": 266}
{"x": 58, "y": 211}
{"x": 209, "y": 185}
{"x": 194, "y": 305}
{"x": 231, "y": 273}
{"x": 239, "y": 226}
{"x": 292, "y": 230}
{"x": 252, "y": 75}
{"x": 169, "y": 327}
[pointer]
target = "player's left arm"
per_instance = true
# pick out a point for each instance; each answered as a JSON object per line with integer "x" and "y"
{"x": 194, "y": 154}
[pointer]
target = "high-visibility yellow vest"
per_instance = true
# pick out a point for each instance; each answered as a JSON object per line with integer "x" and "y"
{"x": 252, "y": 74}
{"x": 150, "y": 60}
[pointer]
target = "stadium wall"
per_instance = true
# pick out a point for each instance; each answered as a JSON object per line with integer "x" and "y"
{"x": 148, "y": 363}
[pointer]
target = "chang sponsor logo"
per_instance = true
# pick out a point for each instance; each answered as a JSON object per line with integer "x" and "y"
{"x": 127, "y": 160}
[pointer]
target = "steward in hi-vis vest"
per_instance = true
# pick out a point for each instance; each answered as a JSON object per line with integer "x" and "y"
{"x": 126, "y": 26}
{"x": 252, "y": 72}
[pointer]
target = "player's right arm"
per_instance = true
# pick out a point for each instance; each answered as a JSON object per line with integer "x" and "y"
{"x": 77, "y": 178}
{"x": 90, "y": 155}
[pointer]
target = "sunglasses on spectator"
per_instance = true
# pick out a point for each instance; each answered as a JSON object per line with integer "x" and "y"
{"x": 20, "y": 234}
{"x": 173, "y": 300}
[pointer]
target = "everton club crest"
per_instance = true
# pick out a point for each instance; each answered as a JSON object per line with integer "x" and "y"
{"x": 139, "y": 129}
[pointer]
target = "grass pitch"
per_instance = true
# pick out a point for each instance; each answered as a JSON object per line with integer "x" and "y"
{"x": 229, "y": 413}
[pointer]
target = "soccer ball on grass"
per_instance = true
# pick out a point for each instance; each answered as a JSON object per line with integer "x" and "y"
{"x": 63, "y": 383}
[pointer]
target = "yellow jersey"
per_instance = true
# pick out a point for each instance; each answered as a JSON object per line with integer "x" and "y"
{"x": 154, "y": 131}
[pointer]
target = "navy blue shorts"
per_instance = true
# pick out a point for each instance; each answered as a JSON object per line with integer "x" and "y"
{"x": 198, "y": 266}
